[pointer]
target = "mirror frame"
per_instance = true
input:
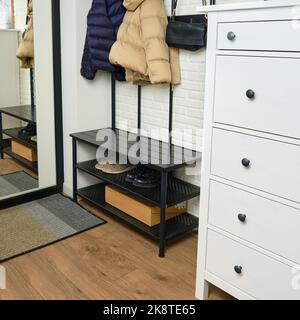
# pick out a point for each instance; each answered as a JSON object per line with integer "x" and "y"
{"x": 58, "y": 188}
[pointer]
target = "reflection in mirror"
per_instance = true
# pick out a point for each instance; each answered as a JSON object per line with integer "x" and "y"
{"x": 18, "y": 127}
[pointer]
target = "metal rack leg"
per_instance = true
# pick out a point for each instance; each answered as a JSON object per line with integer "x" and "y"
{"x": 1, "y": 137}
{"x": 75, "y": 184}
{"x": 163, "y": 206}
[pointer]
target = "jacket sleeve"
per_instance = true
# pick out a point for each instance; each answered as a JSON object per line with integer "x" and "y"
{"x": 115, "y": 12}
{"x": 26, "y": 49}
{"x": 153, "y": 28}
{"x": 88, "y": 71}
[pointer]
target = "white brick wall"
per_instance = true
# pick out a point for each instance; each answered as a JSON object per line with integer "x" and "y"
{"x": 188, "y": 99}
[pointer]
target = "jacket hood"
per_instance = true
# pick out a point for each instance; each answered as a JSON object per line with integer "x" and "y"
{"x": 132, "y": 5}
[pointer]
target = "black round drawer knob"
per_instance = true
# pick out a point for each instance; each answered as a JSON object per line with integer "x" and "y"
{"x": 238, "y": 269}
{"x": 250, "y": 94}
{"x": 242, "y": 217}
{"x": 231, "y": 36}
{"x": 246, "y": 163}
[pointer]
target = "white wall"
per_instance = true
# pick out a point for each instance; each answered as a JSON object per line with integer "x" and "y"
{"x": 9, "y": 75}
{"x": 86, "y": 104}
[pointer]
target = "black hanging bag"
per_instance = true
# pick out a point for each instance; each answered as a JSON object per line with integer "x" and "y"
{"x": 190, "y": 36}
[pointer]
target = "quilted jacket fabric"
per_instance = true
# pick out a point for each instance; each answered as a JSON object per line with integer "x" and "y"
{"x": 26, "y": 49}
{"x": 141, "y": 47}
{"x": 104, "y": 20}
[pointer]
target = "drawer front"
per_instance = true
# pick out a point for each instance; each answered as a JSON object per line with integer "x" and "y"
{"x": 261, "y": 276}
{"x": 268, "y": 224}
{"x": 259, "y": 36}
{"x": 263, "y": 164}
{"x": 274, "y": 108}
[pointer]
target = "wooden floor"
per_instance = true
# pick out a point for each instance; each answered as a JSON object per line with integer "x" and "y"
{"x": 108, "y": 262}
{"x": 8, "y": 165}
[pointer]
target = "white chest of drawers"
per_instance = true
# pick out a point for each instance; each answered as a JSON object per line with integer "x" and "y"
{"x": 249, "y": 233}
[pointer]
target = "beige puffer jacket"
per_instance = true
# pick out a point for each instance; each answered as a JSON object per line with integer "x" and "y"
{"x": 26, "y": 49}
{"x": 141, "y": 48}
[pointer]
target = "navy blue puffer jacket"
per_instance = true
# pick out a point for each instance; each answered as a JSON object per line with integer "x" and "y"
{"x": 104, "y": 20}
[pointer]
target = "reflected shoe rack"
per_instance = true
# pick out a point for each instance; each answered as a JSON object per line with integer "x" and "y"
{"x": 25, "y": 113}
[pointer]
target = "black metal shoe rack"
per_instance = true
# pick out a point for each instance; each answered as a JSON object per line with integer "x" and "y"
{"x": 25, "y": 113}
{"x": 172, "y": 191}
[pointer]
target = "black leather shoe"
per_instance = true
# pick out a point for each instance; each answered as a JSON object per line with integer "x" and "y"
{"x": 147, "y": 179}
{"x": 131, "y": 176}
{"x": 28, "y": 132}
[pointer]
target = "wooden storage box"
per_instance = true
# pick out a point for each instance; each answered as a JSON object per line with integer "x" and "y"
{"x": 138, "y": 209}
{"x": 23, "y": 151}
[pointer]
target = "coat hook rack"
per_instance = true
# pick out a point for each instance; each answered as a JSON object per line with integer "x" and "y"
{"x": 171, "y": 89}
{"x": 113, "y": 103}
{"x": 162, "y": 196}
{"x": 139, "y": 117}
{"x": 32, "y": 89}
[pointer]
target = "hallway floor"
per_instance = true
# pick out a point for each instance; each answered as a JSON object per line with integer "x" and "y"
{"x": 109, "y": 262}
{"x": 8, "y": 165}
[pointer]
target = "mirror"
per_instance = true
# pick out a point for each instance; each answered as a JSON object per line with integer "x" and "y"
{"x": 27, "y": 122}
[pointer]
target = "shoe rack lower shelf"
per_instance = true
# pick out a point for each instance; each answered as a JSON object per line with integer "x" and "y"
{"x": 175, "y": 228}
{"x": 178, "y": 191}
{"x": 25, "y": 113}
{"x": 13, "y": 133}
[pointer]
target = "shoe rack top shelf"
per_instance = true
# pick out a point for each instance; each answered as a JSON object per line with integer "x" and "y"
{"x": 176, "y": 157}
{"x": 25, "y": 112}
{"x": 178, "y": 190}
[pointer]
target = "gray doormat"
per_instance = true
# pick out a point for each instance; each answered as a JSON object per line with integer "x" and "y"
{"x": 16, "y": 182}
{"x": 40, "y": 223}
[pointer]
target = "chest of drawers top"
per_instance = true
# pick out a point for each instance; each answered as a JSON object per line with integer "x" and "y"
{"x": 271, "y": 26}
{"x": 254, "y": 58}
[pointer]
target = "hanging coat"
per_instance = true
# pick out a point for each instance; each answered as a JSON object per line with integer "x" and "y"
{"x": 104, "y": 20}
{"x": 141, "y": 47}
{"x": 26, "y": 49}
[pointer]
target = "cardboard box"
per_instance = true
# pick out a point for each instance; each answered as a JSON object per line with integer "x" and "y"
{"x": 23, "y": 151}
{"x": 138, "y": 209}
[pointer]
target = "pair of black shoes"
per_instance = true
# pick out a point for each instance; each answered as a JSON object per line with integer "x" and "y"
{"x": 143, "y": 177}
{"x": 28, "y": 132}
